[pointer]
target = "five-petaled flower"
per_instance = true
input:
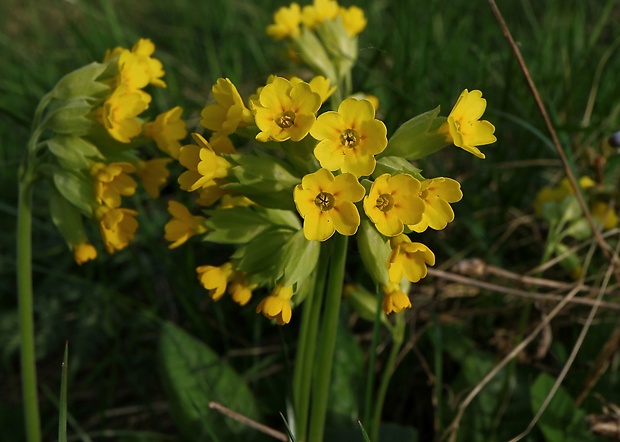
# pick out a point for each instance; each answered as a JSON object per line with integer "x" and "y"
{"x": 111, "y": 181}
{"x": 215, "y": 279}
{"x": 464, "y": 126}
{"x": 286, "y": 22}
{"x": 153, "y": 174}
{"x": 83, "y": 252}
{"x": 183, "y": 224}
{"x": 326, "y": 204}
{"x": 118, "y": 227}
{"x": 409, "y": 259}
{"x": 350, "y": 138}
{"x": 392, "y": 202}
{"x": 437, "y": 193}
{"x": 284, "y": 111}
{"x": 118, "y": 113}
{"x": 277, "y": 305}
{"x": 394, "y": 299}
{"x": 203, "y": 164}
{"x": 167, "y": 130}
{"x": 228, "y": 112}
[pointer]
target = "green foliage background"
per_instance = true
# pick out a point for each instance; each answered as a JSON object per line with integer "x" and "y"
{"x": 413, "y": 56}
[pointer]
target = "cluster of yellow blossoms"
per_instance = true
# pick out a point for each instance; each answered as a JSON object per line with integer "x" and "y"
{"x": 330, "y": 166}
{"x": 96, "y": 146}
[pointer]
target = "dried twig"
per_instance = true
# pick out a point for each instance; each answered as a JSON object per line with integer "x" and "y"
{"x": 247, "y": 421}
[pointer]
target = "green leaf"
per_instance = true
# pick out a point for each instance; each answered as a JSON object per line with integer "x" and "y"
{"x": 76, "y": 189}
{"x": 562, "y": 421}
{"x": 261, "y": 258}
{"x": 240, "y": 225}
{"x": 82, "y": 82}
{"x": 395, "y": 166}
{"x": 72, "y": 152}
{"x": 374, "y": 250}
{"x": 193, "y": 375}
{"x": 300, "y": 258}
{"x": 67, "y": 218}
{"x": 70, "y": 117}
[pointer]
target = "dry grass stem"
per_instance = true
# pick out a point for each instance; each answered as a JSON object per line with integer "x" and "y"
{"x": 247, "y": 421}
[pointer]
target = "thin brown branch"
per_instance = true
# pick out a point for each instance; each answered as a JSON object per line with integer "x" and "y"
{"x": 249, "y": 422}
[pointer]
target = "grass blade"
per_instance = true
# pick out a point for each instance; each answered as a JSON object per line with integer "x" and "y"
{"x": 62, "y": 409}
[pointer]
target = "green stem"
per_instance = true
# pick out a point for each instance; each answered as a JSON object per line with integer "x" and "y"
{"x": 370, "y": 376}
{"x": 26, "y": 311}
{"x": 333, "y": 297}
{"x": 397, "y": 342}
{"x": 302, "y": 378}
{"x": 438, "y": 362}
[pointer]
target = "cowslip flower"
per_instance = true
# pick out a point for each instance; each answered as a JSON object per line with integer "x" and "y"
{"x": 326, "y": 204}
{"x": 83, "y": 252}
{"x": 284, "y": 111}
{"x": 353, "y": 20}
{"x": 215, "y": 279}
{"x": 409, "y": 259}
{"x": 153, "y": 174}
{"x": 118, "y": 227}
{"x": 167, "y": 130}
{"x": 318, "y": 84}
{"x": 605, "y": 215}
{"x": 350, "y": 138}
{"x": 392, "y": 202}
{"x": 394, "y": 299}
{"x": 183, "y": 224}
{"x": 210, "y": 194}
{"x": 286, "y": 22}
{"x": 437, "y": 193}
{"x": 277, "y": 305}
{"x": 320, "y": 10}
{"x": 118, "y": 114}
{"x": 464, "y": 126}
{"x": 144, "y": 48}
{"x": 228, "y": 112}
{"x": 111, "y": 181}
{"x": 240, "y": 289}
{"x": 203, "y": 164}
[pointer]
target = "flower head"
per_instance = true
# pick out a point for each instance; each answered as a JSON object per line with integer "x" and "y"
{"x": 215, "y": 279}
{"x": 228, "y": 112}
{"x": 392, "y": 202}
{"x": 326, "y": 204}
{"x": 350, "y": 138}
{"x": 464, "y": 125}
{"x": 353, "y": 20}
{"x": 167, "y": 130}
{"x": 286, "y": 22}
{"x": 277, "y": 305}
{"x": 320, "y": 10}
{"x": 153, "y": 174}
{"x": 284, "y": 111}
{"x": 605, "y": 214}
{"x": 111, "y": 181}
{"x": 437, "y": 193}
{"x": 203, "y": 164}
{"x": 118, "y": 114}
{"x": 394, "y": 300}
{"x": 118, "y": 227}
{"x": 84, "y": 252}
{"x": 409, "y": 259}
{"x": 240, "y": 289}
{"x": 183, "y": 224}
{"x": 143, "y": 49}
{"x": 318, "y": 84}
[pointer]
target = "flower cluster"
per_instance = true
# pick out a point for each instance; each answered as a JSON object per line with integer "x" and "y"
{"x": 94, "y": 124}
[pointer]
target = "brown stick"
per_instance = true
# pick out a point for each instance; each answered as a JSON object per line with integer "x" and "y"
{"x": 247, "y": 421}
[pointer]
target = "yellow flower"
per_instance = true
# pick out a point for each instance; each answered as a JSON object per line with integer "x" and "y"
{"x": 228, "y": 112}
{"x": 318, "y": 84}
{"x": 559, "y": 192}
{"x": 203, "y": 165}
{"x": 394, "y": 300}
{"x": 464, "y": 125}
{"x": 215, "y": 279}
{"x": 392, "y": 202}
{"x": 230, "y": 201}
{"x": 277, "y": 305}
{"x": 437, "y": 193}
{"x": 220, "y": 143}
{"x": 409, "y": 259}
{"x": 118, "y": 114}
{"x": 326, "y": 204}
{"x": 118, "y": 227}
{"x": 350, "y": 138}
{"x": 604, "y": 214}
{"x": 209, "y": 194}
{"x": 183, "y": 224}
{"x": 133, "y": 73}
{"x": 240, "y": 289}
{"x": 285, "y": 22}
{"x": 284, "y": 111}
{"x": 144, "y": 48}
{"x": 319, "y": 11}
{"x": 167, "y": 130}
{"x": 84, "y": 252}
{"x": 353, "y": 20}
{"x": 153, "y": 174}
{"x": 111, "y": 181}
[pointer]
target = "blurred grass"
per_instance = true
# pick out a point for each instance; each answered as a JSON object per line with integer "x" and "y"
{"x": 413, "y": 56}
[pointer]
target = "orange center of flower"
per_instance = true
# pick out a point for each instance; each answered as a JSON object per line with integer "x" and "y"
{"x": 385, "y": 202}
{"x": 349, "y": 138}
{"x": 286, "y": 119}
{"x": 324, "y": 201}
